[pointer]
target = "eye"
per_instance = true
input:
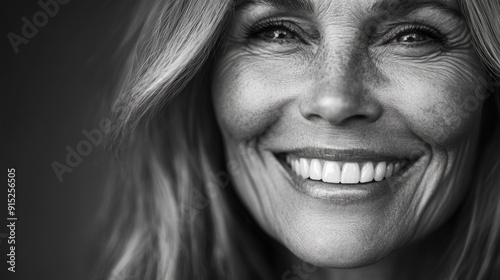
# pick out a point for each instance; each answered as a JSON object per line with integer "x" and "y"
{"x": 413, "y": 38}
{"x": 417, "y": 35}
{"x": 276, "y": 31}
{"x": 278, "y": 34}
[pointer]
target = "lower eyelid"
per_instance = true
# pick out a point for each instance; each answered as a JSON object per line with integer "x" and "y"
{"x": 275, "y": 49}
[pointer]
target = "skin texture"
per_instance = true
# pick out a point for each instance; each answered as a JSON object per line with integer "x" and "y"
{"x": 349, "y": 80}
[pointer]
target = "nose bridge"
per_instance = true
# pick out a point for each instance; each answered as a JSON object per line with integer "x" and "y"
{"x": 341, "y": 54}
{"x": 340, "y": 91}
{"x": 342, "y": 75}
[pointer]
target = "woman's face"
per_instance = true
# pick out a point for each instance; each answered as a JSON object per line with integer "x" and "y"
{"x": 351, "y": 125}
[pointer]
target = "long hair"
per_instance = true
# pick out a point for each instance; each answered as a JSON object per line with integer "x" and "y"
{"x": 167, "y": 207}
{"x": 475, "y": 251}
{"x": 170, "y": 210}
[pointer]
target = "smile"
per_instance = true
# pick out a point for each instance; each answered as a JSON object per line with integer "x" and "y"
{"x": 344, "y": 172}
{"x": 348, "y": 176}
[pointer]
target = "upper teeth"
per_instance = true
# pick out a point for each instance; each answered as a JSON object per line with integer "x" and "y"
{"x": 343, "y": 172}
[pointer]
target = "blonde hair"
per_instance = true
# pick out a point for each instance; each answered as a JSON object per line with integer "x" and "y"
{"x": 169, "y": 214}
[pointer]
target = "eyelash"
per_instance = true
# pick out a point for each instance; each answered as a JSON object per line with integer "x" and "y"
{"x": 256, "y": 31}
{"x": 419, "y": 28}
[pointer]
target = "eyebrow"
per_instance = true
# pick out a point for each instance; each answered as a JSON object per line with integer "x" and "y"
{"x": 397, "y": 7}
{"x": 404, "y": 7}
{"x": 286, "y": 5}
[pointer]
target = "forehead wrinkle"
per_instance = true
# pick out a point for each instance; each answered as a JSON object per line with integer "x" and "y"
{"x": 397, "y": 7}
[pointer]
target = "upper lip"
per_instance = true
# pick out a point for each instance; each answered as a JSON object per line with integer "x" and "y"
{"x": 353, "y": 154}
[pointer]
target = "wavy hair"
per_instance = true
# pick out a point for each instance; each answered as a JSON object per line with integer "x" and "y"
{"x": 169, "y": 213}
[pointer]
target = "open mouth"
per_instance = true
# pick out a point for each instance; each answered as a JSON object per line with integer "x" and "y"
{"x": 344, "y": 172}
{"x": 362, "y": 178}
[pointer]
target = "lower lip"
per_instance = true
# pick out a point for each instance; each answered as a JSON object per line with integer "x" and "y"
{"x": 344, "y": 193}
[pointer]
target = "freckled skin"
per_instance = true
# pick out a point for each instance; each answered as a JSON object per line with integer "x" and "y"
{"x": 344, "y": 91}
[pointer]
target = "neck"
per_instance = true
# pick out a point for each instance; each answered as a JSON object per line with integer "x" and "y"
{"x": 381, "y": 270}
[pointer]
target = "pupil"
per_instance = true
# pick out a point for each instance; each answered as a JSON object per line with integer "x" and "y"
{"x": 410, "y": 38}
{"x": 277, "y": 34}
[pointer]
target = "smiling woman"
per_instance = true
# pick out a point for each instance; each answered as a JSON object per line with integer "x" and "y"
{"x": 257, "y": 138}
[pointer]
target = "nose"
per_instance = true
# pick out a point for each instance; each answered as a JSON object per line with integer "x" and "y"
{"x": 340, "y": 108}
{"x": 341, "y": 101}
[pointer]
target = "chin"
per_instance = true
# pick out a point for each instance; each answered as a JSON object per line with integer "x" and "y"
{"x": 346, "y": 252}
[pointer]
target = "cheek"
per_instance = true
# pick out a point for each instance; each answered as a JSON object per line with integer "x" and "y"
{"x": 439, "y": 102}
{"x": 249, "y": 94}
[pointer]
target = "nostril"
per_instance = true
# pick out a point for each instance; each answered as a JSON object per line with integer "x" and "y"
{"x": 340, "y": 110}
{"x": 357, "y": 118}
{"x": 343, "y": 121}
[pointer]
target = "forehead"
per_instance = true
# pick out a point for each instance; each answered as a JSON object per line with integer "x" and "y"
{"x": 374, "y": 6}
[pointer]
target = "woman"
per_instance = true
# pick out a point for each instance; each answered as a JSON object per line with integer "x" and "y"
{"x": 307, "y": 140}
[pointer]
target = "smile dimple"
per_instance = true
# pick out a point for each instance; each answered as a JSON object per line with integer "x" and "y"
{"x": 344, "y": 172}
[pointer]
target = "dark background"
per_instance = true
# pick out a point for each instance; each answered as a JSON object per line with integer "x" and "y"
{"x": 55, "y": 87}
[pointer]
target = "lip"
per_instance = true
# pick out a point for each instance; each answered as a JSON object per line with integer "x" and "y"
{"x": 347, "y": 193}
{"x": 343, "y": 194}
{"x": 353, "y": 155}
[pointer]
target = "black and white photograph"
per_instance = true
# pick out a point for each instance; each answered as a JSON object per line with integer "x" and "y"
{"x": 251, "y": 139}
